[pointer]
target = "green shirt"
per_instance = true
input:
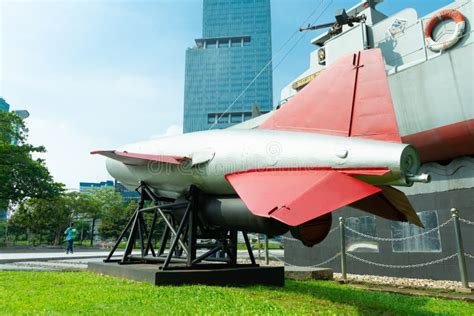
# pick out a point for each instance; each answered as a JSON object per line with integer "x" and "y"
{"x": 70, "y": 233}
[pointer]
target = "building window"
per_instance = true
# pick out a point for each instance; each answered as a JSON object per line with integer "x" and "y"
{"x": 211, "y": 118}
{"x": 356, "y": 242}
{"x": 236, "y": 43}
{"x": 236, "y": 118}
{"x": 425, "y": 243}
{"x": 223, "y": 44}
{"x": 223, "y": 119}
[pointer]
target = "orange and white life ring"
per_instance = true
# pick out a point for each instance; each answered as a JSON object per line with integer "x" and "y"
{"x": 442, "y": 15}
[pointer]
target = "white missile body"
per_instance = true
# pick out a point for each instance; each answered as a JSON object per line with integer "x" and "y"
{"x": 213, "y": 154}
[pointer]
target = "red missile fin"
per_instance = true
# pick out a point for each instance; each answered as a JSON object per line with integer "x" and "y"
{"x": 351, "y": 97}
{"x": 137, "y": 159}
{"x": 297, "y": 196}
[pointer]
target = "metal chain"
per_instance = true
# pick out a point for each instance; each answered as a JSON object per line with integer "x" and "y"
{"x": 294, "y": 239}
{"x": 312, "y": 266}
{"x": 398, "y": 239}
{"x": 466, "y": 221}
{"x": 409, "y": 266}
{"x": 469, "y": 255}
{"x": 392, "y": 239}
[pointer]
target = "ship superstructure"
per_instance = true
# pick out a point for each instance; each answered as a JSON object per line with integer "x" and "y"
{"x": 429, "y": 62}
{"x": 430, "y": 77}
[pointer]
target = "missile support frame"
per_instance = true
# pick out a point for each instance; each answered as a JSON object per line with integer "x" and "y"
{"x": 180, "y": 232}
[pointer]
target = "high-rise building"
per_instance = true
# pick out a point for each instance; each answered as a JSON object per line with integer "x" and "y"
{"x": 4, "y": 106}
{"x": 88, "y": 187}
{"x": 127, "y": 195}
{"x": 235, "y": 46}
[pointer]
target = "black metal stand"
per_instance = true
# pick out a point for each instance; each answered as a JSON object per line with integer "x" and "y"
{"x": 181, "y": 234}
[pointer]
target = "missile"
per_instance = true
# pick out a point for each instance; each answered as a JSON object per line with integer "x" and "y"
{"x": 334, "y": 144}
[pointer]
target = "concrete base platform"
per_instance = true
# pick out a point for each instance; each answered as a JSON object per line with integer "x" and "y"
{"x": 305, "y": 273}
{"x": 212, "y": 274}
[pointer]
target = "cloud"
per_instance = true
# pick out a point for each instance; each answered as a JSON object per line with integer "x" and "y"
{"x": 73, "y": 116}
{"x": 172, "y": 130}
{"x": 68, "y": 151}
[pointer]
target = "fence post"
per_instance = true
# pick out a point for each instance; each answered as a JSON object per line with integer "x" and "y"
{"x": 266, "y": 250}
{"x": 259, "y": 247}
{"x": 343, "y": 248}
{"x": 460, "y": 249}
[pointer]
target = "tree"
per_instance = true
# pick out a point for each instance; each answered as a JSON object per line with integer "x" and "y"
{"x": 101, "y": 202}
{"x": 21, "y": 176}
{"x": 114, "y": 220}
{"x": 45, "y": 219}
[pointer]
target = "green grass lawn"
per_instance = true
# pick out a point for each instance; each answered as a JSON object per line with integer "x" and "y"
{"x": 86, "y": 293}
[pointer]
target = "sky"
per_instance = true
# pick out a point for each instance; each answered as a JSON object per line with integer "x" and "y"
{"x": 99, "y": 74}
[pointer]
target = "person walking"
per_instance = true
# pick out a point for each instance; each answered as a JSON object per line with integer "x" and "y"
{"x": 71, "y": 233}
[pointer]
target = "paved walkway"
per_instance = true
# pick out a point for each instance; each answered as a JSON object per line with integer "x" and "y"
{"x": 59, "y": 255}
{"x": 55, "y": 260}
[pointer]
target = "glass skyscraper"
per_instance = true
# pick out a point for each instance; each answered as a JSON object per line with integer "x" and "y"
{"x": 4, "y": 106}
{"x": 235, "y": 46}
